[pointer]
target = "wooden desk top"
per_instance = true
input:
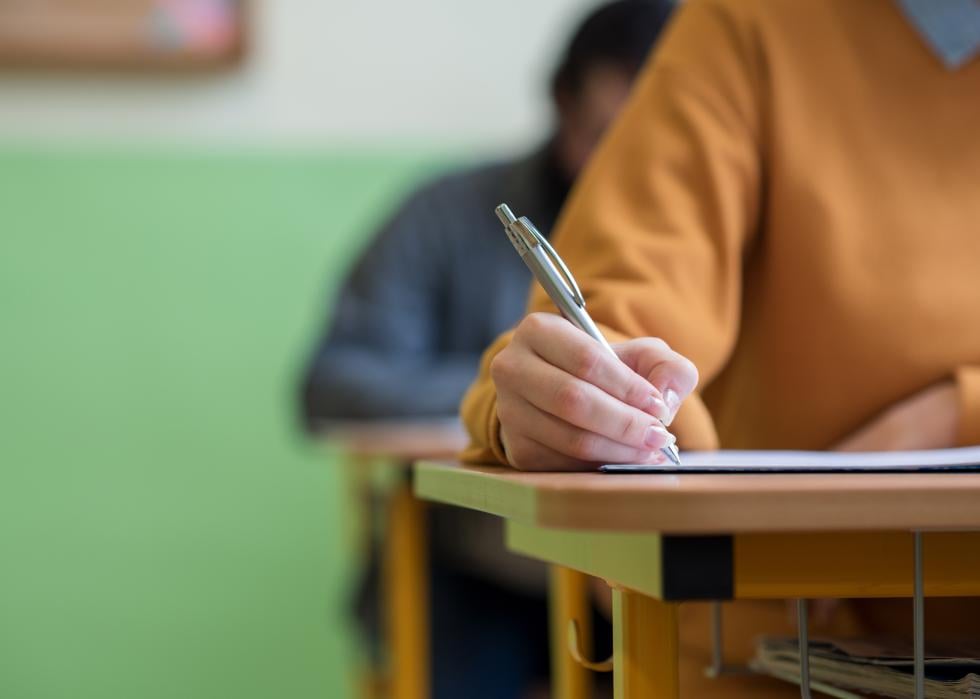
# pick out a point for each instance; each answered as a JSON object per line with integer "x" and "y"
{"x": 718, "y": 504}
{"x": 402, "y": 440}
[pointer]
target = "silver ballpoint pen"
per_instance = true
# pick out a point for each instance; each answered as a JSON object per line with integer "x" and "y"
{"x": 557, "y": 280}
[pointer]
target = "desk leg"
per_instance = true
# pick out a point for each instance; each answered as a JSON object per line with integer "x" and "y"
{"x": 406, "y": 590}
{"x": 568, "y": 600}
{"x": 644, "y": 647}
{"x": 918, "y": 619}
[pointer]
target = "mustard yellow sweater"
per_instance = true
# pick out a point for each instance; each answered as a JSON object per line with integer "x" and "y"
{"x": 791, "y": 199}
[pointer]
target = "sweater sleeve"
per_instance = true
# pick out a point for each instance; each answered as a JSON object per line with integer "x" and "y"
{"x": 658, "y": 224}
{"x": 968, "y": 388}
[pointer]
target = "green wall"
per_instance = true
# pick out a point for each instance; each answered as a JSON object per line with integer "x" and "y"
{"x": 165, "y": 531}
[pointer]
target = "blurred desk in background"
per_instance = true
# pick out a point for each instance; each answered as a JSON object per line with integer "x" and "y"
{"x": 662, "y": 539}
{"x": 404, "y": 441}
{"x": 405, "y": 570}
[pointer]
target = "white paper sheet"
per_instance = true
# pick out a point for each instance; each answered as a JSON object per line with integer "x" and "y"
{"x": 960, "y": 459}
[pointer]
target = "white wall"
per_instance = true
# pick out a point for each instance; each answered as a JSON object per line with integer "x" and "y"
{"x": 328, "y": 72}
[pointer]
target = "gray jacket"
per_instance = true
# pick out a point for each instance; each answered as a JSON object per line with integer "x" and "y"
{"x": 432, "y": 291}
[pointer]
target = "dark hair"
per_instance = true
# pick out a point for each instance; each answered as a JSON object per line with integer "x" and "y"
{"x": 620, "y": 33}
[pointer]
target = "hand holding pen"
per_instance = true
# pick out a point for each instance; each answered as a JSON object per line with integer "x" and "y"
{"x": 565, "y": 398}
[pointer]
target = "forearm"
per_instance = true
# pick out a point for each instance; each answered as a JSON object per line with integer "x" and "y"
{"x": 360, "y": 384}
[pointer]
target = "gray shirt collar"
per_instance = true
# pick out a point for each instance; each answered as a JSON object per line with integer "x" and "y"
{"x": 950, "y": 27}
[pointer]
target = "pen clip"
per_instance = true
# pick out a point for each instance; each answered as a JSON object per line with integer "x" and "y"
{"x": 557, "y": 261}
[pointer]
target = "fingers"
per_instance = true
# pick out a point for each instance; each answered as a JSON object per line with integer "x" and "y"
{"x": 581, "y": 404}
{"x": 543, "y": 429}
{"x": 526, "y": 454}
{"x": 564, "y": 346}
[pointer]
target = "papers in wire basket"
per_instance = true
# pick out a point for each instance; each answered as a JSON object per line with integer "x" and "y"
{"x": 880, "y": 667}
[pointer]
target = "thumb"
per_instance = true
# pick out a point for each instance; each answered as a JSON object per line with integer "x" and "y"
{"x": 673, "y": 374}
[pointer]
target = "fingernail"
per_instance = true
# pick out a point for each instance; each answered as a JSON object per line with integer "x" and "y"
{"x": 673, "y": 402}
{"x": 651, "y": 457}
{"x": 657, "y": 437}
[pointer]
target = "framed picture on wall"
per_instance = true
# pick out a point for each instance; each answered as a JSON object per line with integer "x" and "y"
{"x": 122, "y": 34}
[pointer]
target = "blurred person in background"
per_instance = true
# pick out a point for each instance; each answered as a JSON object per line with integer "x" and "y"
{"x": 790, "y": 200}
{"x": 435, "y": 287}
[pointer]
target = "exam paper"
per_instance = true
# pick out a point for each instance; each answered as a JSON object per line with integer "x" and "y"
{"x": 739, "y": 461}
